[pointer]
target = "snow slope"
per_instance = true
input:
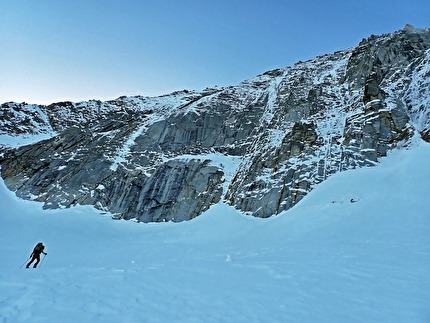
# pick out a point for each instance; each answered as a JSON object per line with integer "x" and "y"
{"x": 325, "y": 260}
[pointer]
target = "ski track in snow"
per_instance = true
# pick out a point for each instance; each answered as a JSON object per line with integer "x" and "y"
{"x": 325, "y": 260}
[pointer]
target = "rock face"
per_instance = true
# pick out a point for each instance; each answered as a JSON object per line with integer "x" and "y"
{"x": 261, "y": 145}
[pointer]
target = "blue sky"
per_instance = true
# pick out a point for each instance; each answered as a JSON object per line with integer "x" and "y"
{"x": 79, "y": 50}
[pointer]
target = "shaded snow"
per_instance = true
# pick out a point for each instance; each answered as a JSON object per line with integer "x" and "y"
{"x": 125, "y": 149}
{"x": 17, "y": 141}
{"x": 325, "y": 260}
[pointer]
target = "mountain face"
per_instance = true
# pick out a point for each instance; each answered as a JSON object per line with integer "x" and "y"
{"x": 260, "y": 146}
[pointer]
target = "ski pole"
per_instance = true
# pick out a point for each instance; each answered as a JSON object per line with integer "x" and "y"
{"x": 25, "y": 262}
{"x": 42, "y": 260}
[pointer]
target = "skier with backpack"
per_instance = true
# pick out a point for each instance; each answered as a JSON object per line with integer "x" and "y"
{"x": 35, "y": 255}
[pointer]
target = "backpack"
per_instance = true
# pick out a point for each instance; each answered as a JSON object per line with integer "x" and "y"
{"x": 38, "y": 248}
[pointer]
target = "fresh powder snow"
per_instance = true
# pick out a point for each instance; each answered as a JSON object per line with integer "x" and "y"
{"x": 355, "y": 249}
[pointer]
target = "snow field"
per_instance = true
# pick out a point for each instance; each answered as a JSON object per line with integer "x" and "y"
{"x": 325, "y": 260}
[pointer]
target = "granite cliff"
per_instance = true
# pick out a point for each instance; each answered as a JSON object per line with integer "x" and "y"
{"x": 260, "y": 145}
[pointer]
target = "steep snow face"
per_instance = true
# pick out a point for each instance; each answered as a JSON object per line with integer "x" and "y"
{"x": 325, "y": 260}
{"x": 290, "y": 129}
{"x": 417, "y": 97}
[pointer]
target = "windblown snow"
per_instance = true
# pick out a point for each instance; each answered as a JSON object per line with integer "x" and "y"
{"x": 355, "y": 249}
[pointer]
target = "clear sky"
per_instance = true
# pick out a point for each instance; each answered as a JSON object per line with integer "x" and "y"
{"x": 54, "y": 50}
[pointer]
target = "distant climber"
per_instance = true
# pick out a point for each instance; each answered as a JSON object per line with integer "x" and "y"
{"x": 38, "y": 249}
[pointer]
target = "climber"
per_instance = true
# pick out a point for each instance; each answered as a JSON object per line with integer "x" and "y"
{"x": 38, "y": 249}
